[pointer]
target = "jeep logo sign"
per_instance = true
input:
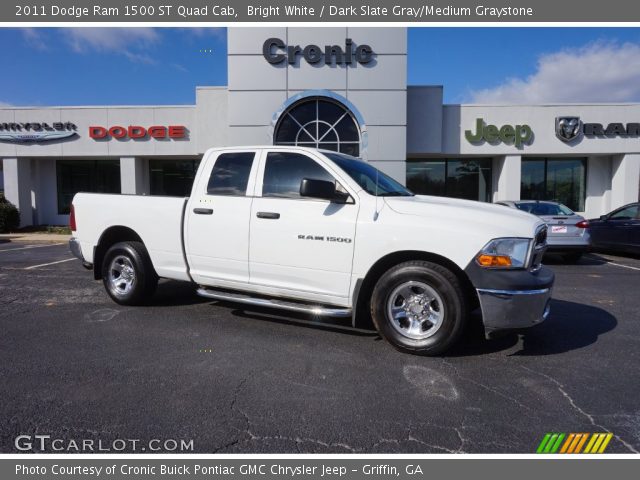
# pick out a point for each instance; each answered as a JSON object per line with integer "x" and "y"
{"x": 275, "y": 51}
{"x": 517, "y": 135}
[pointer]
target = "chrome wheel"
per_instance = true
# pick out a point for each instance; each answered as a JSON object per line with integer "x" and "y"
{"x": 415, "y": 310}
{"x": 122, "y": 275}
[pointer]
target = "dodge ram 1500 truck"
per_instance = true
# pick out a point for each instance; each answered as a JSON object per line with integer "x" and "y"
{"x": 325, "y": 233}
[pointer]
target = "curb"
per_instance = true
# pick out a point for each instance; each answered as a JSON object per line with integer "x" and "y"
{"x": 35, "y": 238}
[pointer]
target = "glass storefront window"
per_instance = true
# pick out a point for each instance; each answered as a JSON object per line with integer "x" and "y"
{"x": 95, "y": 176}
{"x": 532, "y": 180}
{"x": 173, "y": 178}
{"x": 451, "y": 177}
{"x": 319, "y": 122}
{"x": 561, "y": 180}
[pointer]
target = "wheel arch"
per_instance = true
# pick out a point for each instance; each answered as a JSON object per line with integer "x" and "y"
{"x": 111, "y": 236}
{"x": 364, "y": 288}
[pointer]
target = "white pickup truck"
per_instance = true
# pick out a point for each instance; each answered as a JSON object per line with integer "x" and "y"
{"x": 325, "y": 233}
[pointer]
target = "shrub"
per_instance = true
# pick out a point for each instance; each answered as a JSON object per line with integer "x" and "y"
{"x": 9, "y": 216}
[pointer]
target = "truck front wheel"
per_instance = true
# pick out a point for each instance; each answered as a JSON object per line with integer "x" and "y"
{"x": 127, "y": 273}
{"x": 419, "y": 307}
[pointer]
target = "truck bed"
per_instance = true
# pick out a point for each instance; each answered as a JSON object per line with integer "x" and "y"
{"x": 157, "y": 220}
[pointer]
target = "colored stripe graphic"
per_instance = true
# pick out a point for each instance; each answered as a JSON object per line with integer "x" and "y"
{"x": 550, "y": 443}
{"x": 592, "y": 441}
{"x": 556, "y": 445}
{"x": 605, "y": 443}
{"x": 598, "y": 443}
{"x": 596, "y": 447}
{"x": 567, "y": 443}
{"x": 581, "y": 443}
{"x": 573, "y": 443}
{"x": 543, "y": 443}
{"x": 576, "y": 443}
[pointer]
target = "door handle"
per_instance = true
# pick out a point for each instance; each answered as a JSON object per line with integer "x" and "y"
{"x": 268, "y": 215}
{"x": 203, "y": 211}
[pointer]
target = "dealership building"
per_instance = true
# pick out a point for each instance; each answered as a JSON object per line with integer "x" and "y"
{"x": 337, "y": 88}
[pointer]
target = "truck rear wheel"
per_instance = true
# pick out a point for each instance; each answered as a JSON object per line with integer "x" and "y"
{"x": 127, "y": 273}
{"x": 419, "y": 307}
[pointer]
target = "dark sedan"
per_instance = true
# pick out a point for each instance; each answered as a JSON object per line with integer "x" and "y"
{"x": 618, "y": 230}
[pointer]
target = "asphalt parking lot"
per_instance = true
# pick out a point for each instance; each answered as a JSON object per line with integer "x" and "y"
{"x": 74, "y": 365}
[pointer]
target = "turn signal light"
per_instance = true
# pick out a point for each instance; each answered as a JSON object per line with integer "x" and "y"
{"x": 582, "y": 224}
{"x": 493, "y": 260}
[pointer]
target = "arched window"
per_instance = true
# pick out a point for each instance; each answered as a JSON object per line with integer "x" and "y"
{"x": 319, "y": 122}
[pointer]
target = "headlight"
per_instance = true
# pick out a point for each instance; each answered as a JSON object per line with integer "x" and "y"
{"x": 504, "y": 253}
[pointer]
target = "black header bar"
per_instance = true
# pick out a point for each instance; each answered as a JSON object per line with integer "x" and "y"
{"x": 317, "y": 11}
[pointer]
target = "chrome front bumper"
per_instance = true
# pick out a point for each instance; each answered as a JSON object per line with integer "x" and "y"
{"x": 513, "y": 309}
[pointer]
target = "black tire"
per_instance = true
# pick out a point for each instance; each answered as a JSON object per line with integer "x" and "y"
{"x": 451, "y": 294}
{"x": 572, "y": 258}
{"x": 144, "y": 280}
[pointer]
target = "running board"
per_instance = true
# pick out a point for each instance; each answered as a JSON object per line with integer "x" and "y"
{"x": 318, "y": 310}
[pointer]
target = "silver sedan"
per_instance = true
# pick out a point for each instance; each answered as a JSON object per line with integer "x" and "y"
{"x": 568, "y": 232}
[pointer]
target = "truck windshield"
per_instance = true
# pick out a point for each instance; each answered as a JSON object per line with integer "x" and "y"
{"x": 366, "y": 176}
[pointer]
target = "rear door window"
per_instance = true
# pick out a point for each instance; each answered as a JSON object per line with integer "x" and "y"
{"x": 230, "y": 174}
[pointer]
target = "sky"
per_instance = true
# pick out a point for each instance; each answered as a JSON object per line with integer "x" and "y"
{"x": 130, "y": 66}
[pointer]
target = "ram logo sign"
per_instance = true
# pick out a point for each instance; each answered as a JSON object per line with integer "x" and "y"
{"x": 572, "y": 128}
{"x": 568, "y": 128}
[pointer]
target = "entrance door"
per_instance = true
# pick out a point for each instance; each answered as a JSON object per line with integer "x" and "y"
{"x": 300, "y": 244}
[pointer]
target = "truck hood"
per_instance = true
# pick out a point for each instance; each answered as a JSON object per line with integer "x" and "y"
{"x": 496, "y": 220}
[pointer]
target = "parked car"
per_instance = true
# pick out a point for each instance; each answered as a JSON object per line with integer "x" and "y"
{"x": 325, "y": 233}
{"x": 618, "y": 230}
{"x": 568, "y": 232}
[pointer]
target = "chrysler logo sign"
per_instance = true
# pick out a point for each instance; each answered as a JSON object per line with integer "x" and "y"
{"x": 275, "y": 51}
{"x": 36, "y": 132}
{"x": 572, "y": 128}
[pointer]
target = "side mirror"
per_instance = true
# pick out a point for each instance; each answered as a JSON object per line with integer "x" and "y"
{"x": 604, "y": 217}
{"x": 321, "y": 189}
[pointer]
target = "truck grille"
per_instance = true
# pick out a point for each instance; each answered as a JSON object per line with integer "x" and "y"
{"x": 541, "y": 237}
{"x": 539, "y": 247}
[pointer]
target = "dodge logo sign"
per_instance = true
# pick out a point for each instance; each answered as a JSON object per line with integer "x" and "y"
{"x": 137, "y": 132}
{"x": 568, "y": 128}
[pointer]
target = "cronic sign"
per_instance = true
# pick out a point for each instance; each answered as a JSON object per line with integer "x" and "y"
{"x": 277, "y": 51}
